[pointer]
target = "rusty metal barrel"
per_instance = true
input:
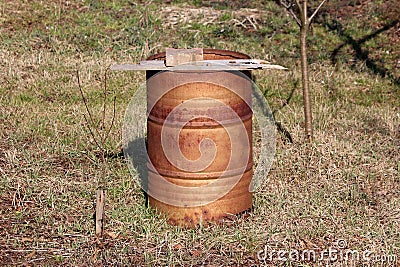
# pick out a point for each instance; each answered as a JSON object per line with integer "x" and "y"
{"x": 213, "y": 125}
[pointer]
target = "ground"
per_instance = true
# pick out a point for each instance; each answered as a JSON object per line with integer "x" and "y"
{"x": 341, "y": 191}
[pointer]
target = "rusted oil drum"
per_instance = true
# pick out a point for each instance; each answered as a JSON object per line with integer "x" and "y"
{"x": 219, "y": 111}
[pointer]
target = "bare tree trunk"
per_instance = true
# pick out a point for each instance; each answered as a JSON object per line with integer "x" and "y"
{"x": 305, "y": 83}
{"x": 304, "y": 23}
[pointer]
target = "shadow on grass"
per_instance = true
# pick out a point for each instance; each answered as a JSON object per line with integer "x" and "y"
{"x": 281, "y": 129}
{"x": 360, "y": 53}
{"x": 114, "y": 155}
{"x": 135, "y": 153}
{"x": 278, "y": 124}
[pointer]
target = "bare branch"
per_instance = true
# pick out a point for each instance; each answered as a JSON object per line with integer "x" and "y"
{"x": 88, "y": 110}
{"x": 289, "y": 8}
{"x": 112, "y": 121}
{"x": 104, "y": 109}
{"x": 316, "y": 11}
{"x": 298, "y": 21}
{"x": 91, "y": 132}
{"x": 304, "y": 16}
{"x": 299, "y": 5}
{"x": 284, "y": 4}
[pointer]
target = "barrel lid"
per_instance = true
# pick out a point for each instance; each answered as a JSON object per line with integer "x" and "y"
{"x": 196, "y": 60}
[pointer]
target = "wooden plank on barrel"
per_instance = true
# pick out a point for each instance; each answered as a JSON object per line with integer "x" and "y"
{"x": 176, "y": 57}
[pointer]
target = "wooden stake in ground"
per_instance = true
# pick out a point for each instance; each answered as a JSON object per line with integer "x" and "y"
{"x": 100, "y": 137}
{"x": 304, "y": 23}
{"x": 100, "y": 204}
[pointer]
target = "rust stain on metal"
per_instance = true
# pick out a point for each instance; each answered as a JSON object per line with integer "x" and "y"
{"x": 237, "y": 200}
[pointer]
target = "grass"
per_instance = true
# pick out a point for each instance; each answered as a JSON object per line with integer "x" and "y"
{"x": 345, "y": 185}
